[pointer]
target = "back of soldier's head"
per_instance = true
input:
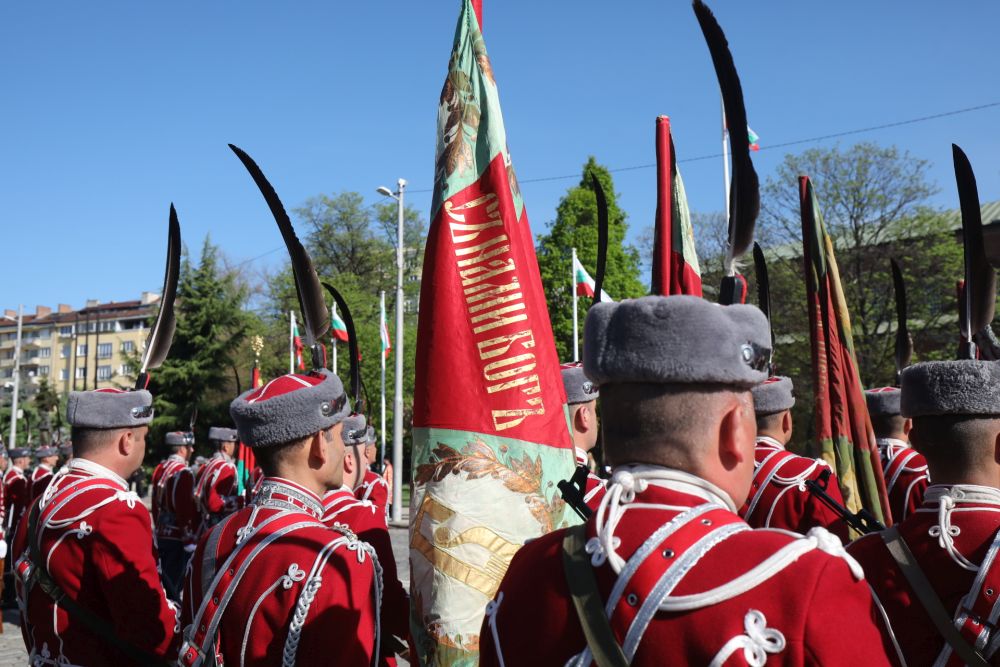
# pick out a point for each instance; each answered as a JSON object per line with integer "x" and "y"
{"x": 669, "y": 369}
{"x": 955, "y": 408}
{"x": 884, "y": 410}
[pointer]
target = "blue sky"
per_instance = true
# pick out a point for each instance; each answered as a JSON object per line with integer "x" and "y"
{"x": 111, "y": 110}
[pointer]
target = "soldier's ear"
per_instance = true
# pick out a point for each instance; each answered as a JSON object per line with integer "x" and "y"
{"x": 907, "y": 425}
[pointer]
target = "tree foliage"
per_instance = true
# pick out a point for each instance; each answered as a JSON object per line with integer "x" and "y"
{"x": 198, "y": 375}
{"x": 575, "y": 226}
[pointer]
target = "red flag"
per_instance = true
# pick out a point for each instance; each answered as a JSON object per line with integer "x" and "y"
{"x": 490, "y": 436}
{"x": 675, "y": 262}
{"x": 843, "y": 427}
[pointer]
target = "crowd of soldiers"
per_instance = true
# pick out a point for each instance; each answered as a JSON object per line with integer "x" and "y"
{"x": 705, "y": 546}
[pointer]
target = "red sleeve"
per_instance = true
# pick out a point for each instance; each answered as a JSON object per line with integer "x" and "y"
{"x": 125, "y": 554}
{"x": 214, "y": 500}
{"x": 184, "y": 506}
{"x": 846, "y": 628}
{"x": 817, "y": 513}
{"x": 395, "y": 601}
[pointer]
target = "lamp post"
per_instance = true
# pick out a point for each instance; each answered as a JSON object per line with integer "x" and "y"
{"x": 397, "y": 404}
{"x": 17, "y": 374}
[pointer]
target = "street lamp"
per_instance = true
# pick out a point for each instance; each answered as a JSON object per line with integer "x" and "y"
{"x": 397, "y": 409}
{"x": 17, "y": 373}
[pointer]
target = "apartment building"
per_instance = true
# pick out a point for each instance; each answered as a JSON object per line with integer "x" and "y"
{"x": 77, "y": 349}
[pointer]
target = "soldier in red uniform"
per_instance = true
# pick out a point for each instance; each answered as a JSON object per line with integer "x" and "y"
{"x": 271, "y": 584}
{"x": 17, "y": 487}
{"x": 778, "y": 496}
{"x": 217, "y": 491}
{"x": 953, "y": 537}
{"x": 903, "y": 467}
{"x": 174, "y": 511}
{"x": 87, "y": 582}
{"x": 48, "y": 457}
{"x": 368, "y": 522}
{"x": 665, "y": 571}
{"x": 581, "y": 396}
{"x": 373, "y": 488}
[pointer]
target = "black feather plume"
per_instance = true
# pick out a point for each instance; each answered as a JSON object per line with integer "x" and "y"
{"x": 315, "y": 315}
{"x": 904, "y": 343}
{"x": 979, "y": 301}
{"x": 744, "y": 192}
{"x": 352, "y": 346}
{"x": 602, "y": 237}
{"x": 161, "y": 335}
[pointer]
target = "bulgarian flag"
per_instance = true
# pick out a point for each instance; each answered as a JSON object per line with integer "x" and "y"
{"x": 384, "y": 331}
{"x": 675, "y": 262}
{"x": 297, "y": 344}
{"x": 338, "y": 330}
{"x": 584, "y": 283}
{"x": 754, "y": 139}
{"x": 490, "y": 436}
{"x": 843, "y": 427}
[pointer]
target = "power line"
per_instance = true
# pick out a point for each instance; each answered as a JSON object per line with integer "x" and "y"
{"x": 785, "y": 144}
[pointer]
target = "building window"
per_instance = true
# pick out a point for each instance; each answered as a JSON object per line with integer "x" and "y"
{"x": 104, "y": 372}
{"x": 81, "y": 350}
{"x": 66, "y": 331}
{"x": 125, "y": 369}
{"x": 81, "y": 373}
{"x": 104, "y": 351}
{"x": 43, "y": 371}
{"x": 64, "y": 351}
{"x": 45, "y": 352}
{"x": 64, "y": 374}
{"x": 128, "y": 346}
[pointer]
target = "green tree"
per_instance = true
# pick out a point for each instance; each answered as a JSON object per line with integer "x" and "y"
{"x": 211, "y": 326}
{"x": 575, "y": 226}
{"x": 874, "y": 203}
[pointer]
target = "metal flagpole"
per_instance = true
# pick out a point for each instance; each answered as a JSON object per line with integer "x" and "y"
{"x": 333, "y": 343}
{"x": 383, "y": 331}
{"x": 397, "y": 404}
{"x": 725, "y": 156}
{"x": 576, "y": 326}
{"x": 291, "y": 342}
{"x": 17, "y": 378}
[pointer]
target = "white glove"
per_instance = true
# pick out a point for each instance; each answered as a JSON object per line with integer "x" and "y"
{"x": 3, "y": 549}
{"x": 189, "y": 548}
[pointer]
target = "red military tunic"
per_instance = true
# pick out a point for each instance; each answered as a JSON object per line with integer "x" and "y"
{"x": 375, "y": 490}
{"x": 96, "y": 538}
{"x": 596, "y": 487}
{"x": 368, "y": 522}
{"x": 216, "y": 489}
{"x": 17, "y": 494}
{"x": 954, "y": 536}
{"x": 40, "y": 478}
{"x": 174, "y": 510}
{"x": 779, "y": 497}
{"x": 906, "y": 476}
{"x": 686, "y": 582}
{"x": 295, "y": 591}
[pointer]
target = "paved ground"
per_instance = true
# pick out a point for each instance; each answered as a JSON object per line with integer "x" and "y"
{"x": 12, "y": 651}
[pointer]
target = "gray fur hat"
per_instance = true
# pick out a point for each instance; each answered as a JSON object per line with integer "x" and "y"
{"x": 109, "y": 408}
{"x": 47, "y": 450}
{"x": 578, "y": 388}
{"x": 66, "y": 449}
{"x": 355, "y": 430}
{"x": 883, "y": 402}
{"x": 676, "y": 340}
{"x": 965, "y": 387}
{"x": 179, "y": 439}
{"x": 772, "y": 396}
{"x": 289, "y": 408}
{"x": 19, "y": 452}
{"x": 223, "y": 434}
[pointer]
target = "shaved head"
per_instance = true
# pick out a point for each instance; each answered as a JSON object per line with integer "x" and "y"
{"x": 958, "y": 448}
{"x": 669, "y": 425}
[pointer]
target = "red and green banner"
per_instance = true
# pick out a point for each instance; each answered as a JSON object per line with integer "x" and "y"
{"x": 584, "y": 283}
{"x": 675, "y": 262}
{"x": 490, "y": 436}
{"x": 843, "y": 428}
{"x": 245, "y": 459}
{"x": 297, "y": 342}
